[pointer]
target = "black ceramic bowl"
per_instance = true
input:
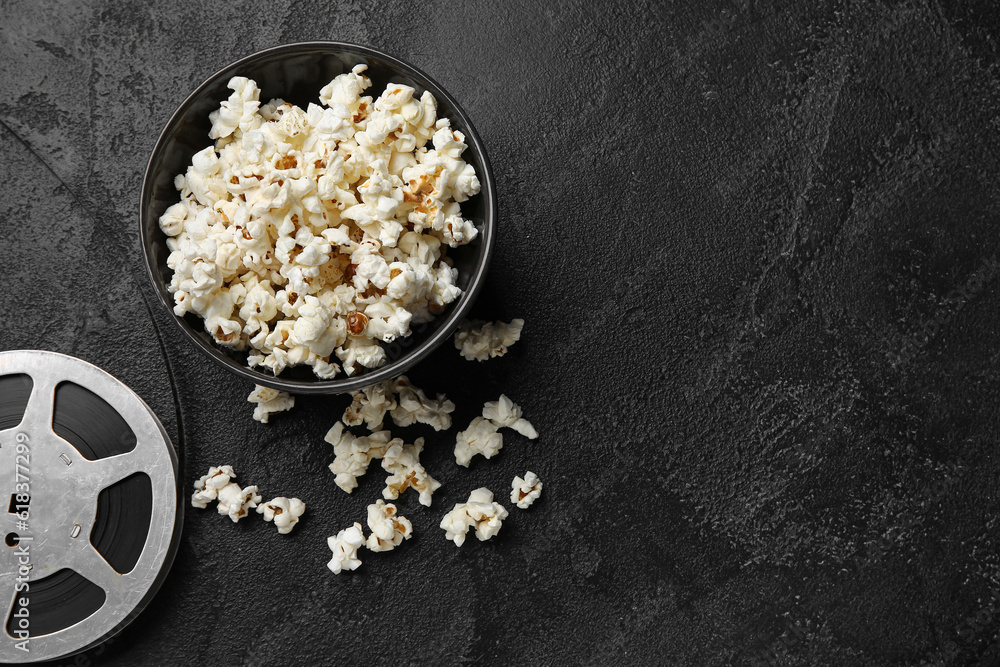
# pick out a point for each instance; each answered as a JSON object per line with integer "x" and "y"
{"x": 296, "y": 73}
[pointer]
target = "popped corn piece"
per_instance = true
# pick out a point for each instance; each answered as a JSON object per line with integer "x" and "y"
{"x": 456, "y": 524}
{"x": 238, "y": 111}
{"x": 482, "y": 437}
{"x": 480, "y": 512}
{"x": 526, "y": 490}
{"x": 388, "y": 528}
{"x": 172, "y": 220}
{"x": 402, "y": 462}
{"x": 414, "y": 406}
{"x": 478, "y": 340}
{"x": 360, "y": 352}
{"x": 236, "y": 501}
{"x": 207, "y": 488}
{"x": 285, "y": 512}
{"x": 269, "y": 401}
{"x": 506, "y": 413}
{"x": 346, "y": 89}
{"x": 369, "y": 405}
{"x": 344, "y": 546}
{"x": 353, "y": 455}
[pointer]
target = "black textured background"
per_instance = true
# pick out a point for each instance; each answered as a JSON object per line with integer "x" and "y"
{"x": 755, "y": 245}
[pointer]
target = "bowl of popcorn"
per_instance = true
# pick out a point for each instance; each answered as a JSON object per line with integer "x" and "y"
{"x": 318, "y": 217}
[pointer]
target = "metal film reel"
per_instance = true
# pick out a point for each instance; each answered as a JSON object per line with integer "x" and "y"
{"x": 93, "y": 519}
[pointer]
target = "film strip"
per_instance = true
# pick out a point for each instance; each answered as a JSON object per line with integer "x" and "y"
{"x": 93, "y": 517}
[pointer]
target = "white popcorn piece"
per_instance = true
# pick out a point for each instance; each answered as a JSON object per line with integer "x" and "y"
{"x": 172, "y": 220}
{"x": 353, "y": 455}
{"x": 344, "y": 546}
{"x": 388, "y": 529}
{"x": 479, "y": 341}
{"x": 479, "y": 512}
{"x": 238, "y": 111}
{"x": 414, "y": 406}
{"x": 402, "y": 462}
{"x": 482, "y": 437}
{"x": 295, "y": 218}
{"x": 526, "y": 490}
{"x": 236, "y": 501}
{"x": 207, "y": 488}
{"x": 284, "y": 512}
{"x": 387, "y": 322}
{"x": 269, "y": 401}
{"x": 506, "y": 413}
{"x": 370, "y": 405}
{"x": 346, "y": 89}
{"x": 359, "y": 352}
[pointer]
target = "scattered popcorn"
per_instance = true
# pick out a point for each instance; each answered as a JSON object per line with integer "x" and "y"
{"x": 344, "y": 546}
{"x": 480, "y": 511}
{"x": 353, "y": 455}
{"x": 482, "y": 437}
{"x": 268, "y": 402}
{"x": 525, "y": 491}
{"x": 236, "y": 501}
{"x": 406, "y": 403}
{"x": 402, "y": 462}
{"x": 506, "y": 413}
{"x": 414, "y": 406}
{"x": 283, "y": 511}
{"x": 370, "y": 405}
{"x": 479, "y": 340}
{"x": 388, "y": 528}
{"x": 314, "y": 236}
{"x": 207, "y": 488}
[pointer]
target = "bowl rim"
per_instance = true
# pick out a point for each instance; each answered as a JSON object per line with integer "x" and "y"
{"x": 408, "y": 358}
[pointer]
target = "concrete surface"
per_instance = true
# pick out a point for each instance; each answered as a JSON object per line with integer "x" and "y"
{"x": 756, "y": 246}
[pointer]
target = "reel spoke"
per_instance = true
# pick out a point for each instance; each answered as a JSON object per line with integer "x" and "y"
{"x": 103, "y": 473}
{"x": 38, "y": 414}
{"x": 92, "y": 565}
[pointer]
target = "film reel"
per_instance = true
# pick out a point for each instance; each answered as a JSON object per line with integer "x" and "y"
{"x": 93, "y": 518}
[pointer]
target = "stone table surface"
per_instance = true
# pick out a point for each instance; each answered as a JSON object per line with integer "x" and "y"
{"x": 756, "y": 247}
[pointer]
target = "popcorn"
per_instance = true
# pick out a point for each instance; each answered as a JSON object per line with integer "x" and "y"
{"x": 207, "y": 488}
{"x": 407, "y": 405}
{"x": 414, "y": 406}
{"x": 297, "y": 223}
{"x": 478, "y": 340}
{"x": 526, "y": 490}
{"x": 268, "y": 402}
{"x": 403, "y": 463}
{"x": 344, "y": 546}
{"x": 172, "y": 220}
{"x": 506, "y": 413}
{"x": 283, "y": 511}
{"x": 236, "y": 501}
{"x": 370, "y": 405}
{"x": 346, "y": 89}
{"x": 353, "y": 455}
{"x": 359, "y": 352}
{"x": 482, "y": 437}
{"x": 480, "y": 512}
{"x": 388, "y": 529}
{"x": 238, "y": 111}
